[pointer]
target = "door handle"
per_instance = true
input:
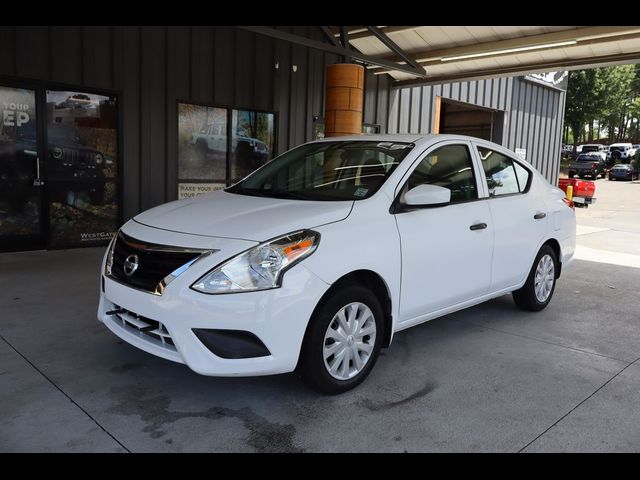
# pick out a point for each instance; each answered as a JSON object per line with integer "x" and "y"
{"x": 478, "y": 226}
{"x": 38, "y": 182}
{"x": 539, "y": 215}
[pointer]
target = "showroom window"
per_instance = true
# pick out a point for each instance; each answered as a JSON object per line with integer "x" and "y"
{"x": 82, "y": 167}
{"x": 448, "y": 167}
{"x": 59, "y": 167}
{"x": 218, "y": 146}
{"x": 504, "y": 176}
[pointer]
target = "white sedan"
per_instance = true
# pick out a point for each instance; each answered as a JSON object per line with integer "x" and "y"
{"x": 315, "y": 260}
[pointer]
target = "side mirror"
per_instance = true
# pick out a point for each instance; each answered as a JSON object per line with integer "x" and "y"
{"x": 427, "y": 196}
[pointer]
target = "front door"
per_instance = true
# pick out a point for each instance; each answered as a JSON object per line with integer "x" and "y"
{"x": 21, "y": 219}
{"x": 446, "y": 251}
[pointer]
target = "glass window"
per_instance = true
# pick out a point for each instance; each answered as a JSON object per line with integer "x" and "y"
{"x": 19, "y": 200}
{"x": 202, "y": 142}
{"x": 500, "y": 173}
{"x": 523, "y": 176}
{"x": 252, "y": 141}
{"x": 337, "y": 170}
{"x": 82, "y": 167}
{"x": 448, "y": 167}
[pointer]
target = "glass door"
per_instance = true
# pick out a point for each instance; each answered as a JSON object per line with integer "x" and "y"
{"x": 81, "y": 168}
{"x": 21, "y": 225}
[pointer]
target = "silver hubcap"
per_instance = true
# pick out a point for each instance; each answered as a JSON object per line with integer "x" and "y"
{"x": 545, "y": 276}
{"x": 349, "y": 341}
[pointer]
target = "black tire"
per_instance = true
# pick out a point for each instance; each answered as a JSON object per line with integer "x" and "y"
{"x": 312, "y": 366}
{"x": 525, "y": 297}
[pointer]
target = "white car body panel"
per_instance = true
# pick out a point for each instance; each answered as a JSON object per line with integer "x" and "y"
{"x": 242, "y": 216}
{"x": 429, "y": 260}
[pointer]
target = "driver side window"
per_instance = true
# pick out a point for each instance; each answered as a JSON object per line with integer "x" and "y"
{"x": 449, "y": 167}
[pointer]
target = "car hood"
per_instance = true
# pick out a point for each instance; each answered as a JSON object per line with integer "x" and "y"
{"x": 229, "y": 215}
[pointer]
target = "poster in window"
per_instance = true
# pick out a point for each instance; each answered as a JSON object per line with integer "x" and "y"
{"x": 252, "y": 142}
{"x": 202, "y": 142}
{"x": 82, "y": 168}
{"x": 190, "y": 190}
{"x": 19, "y": 200}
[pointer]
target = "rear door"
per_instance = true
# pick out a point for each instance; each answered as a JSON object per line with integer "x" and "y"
{"x": 519, "y": 217}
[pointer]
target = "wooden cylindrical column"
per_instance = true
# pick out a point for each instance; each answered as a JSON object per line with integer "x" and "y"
{"x": 344, "y": 99}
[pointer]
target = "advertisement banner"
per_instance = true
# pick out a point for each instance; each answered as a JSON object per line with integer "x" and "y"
{"x": 189, "y": 190}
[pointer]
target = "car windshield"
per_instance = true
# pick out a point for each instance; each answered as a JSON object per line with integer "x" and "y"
{"x": 621, "y": 167}
{"x": 340, "y": 170}
{"x": 590, "y": 148}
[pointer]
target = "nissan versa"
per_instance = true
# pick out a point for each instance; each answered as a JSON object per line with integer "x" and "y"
{"x": 314, "y": 261}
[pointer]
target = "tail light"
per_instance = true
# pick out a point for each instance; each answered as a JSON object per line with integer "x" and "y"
{"x": 594, "y": 165}
{"x": 569, "y": 203}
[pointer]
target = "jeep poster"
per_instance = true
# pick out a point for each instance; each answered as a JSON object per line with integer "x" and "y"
{"x": 202, "y": 142}
{"x": 82, "y": 168}
{"x": 19, "y": 199}
{"x": 252, "y": 143}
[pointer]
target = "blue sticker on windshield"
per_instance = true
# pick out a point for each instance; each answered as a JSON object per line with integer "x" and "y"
{"x": 361, "y": 192}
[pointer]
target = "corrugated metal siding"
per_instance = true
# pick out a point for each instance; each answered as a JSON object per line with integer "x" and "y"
{"x": 533, "y": 120}
{"x": 154, "y": 67}
{"x": 535, "y": 123}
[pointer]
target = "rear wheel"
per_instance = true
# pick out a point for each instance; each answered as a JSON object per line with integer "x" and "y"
{"x": 537, "y": 291}
{"x": 343, "y": 341}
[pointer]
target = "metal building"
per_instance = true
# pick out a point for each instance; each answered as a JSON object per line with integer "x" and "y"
{"x": 525, "y": 114}
{"x": 102, "y": 122}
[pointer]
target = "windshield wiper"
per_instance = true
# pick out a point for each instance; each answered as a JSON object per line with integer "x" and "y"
{"x": 287, "y": 194}
{"x": 257, "y": 192}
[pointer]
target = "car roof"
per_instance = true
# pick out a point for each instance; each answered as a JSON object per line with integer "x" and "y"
{"x": 619, "y": 144}
{"x": 409, "y": 138}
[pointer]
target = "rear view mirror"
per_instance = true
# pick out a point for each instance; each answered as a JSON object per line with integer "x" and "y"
{"x": 427, "y": 196}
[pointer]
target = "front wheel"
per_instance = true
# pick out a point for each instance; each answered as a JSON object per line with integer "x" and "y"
{"x": 537, "y": 291}
{"x": 343, "y": 340}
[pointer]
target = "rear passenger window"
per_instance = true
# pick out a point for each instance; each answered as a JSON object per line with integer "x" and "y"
{"x": 523, "y": 176}
{"x": 504, "y": 176}
{"x": 448, "y": 167}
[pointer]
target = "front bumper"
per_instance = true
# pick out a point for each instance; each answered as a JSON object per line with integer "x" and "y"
{"x": 278, "y": 317}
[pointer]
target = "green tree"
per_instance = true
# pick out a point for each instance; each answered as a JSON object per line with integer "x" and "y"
{"x": 582, "y": 95}
{"x": 618, "y": 84}
{"x": 603, "y": 98}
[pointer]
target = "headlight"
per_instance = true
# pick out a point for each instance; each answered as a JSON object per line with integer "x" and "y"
{"x": 57, "y": 153}
{"x": 260, "y": 268}
{"x": 99, "y": 158}
{"x": 109, "y": 262}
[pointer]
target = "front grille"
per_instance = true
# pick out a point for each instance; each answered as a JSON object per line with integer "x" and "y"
{"x": 155, "y": 262}
{"x": 150, "y": 330}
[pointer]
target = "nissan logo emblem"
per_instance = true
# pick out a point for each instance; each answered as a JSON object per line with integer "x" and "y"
{"x": 131, "y": 264}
